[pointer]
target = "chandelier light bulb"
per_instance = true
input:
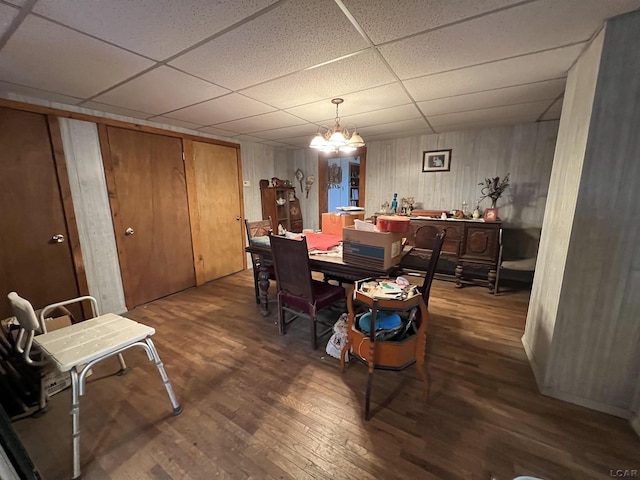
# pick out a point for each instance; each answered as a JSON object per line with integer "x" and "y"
{"x": 337, "y": 139}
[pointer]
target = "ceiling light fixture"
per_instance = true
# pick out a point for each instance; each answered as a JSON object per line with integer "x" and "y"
{"x": 337, "y": 139}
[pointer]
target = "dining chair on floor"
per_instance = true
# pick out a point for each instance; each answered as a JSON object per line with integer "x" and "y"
{"x": 76, "y": 348}
{"x": 259, "y": 233}
{"x": 384, "y": 354}
{"x": 298, "y": 293}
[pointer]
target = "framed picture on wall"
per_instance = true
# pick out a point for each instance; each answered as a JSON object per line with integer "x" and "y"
{"x": 436, "y": 161}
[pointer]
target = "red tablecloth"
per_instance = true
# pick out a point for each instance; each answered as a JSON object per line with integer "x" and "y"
{"x": 322, "y": 241}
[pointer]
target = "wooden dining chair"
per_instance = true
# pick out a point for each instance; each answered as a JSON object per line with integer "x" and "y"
{"x": 258, "y": 233}
{"x": 77, "y": 348}
{"x": 298, "y": 293}
{"x": 393, "y": 355}
{"x": 425, "y": 290}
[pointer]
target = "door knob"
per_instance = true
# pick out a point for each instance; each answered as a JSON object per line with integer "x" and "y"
{"x": 238, "y": 218}
{"x": 128, "y": 231}
{"x": 59, "y": 238}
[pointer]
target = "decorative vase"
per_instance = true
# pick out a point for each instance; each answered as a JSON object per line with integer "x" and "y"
{"x": 476, "y": 213}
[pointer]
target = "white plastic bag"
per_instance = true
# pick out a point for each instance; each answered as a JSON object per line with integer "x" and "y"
{"x": 339, "y": 338}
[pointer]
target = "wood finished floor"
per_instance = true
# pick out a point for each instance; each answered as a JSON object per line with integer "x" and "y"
{"x": 261, "y": 406}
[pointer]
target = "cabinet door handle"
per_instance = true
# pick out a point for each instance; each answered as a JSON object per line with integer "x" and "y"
{"x": 58, "y": 238}
{"x": 129, "y": 231}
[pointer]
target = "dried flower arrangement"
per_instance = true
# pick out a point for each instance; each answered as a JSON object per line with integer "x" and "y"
{"x": 493, "y": 188}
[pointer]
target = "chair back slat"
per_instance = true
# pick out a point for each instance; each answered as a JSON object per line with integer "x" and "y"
{"x": 433, "y": 264}
{"x": 291, "y": 262}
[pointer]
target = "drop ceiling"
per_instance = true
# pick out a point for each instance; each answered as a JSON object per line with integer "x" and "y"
{"x": 266, "y": 70}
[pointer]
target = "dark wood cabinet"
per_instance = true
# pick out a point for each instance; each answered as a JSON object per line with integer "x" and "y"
{"x": 468, "y": 243}
{"x": 281, "y": 204}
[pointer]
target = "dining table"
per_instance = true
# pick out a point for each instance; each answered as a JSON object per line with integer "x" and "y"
{"x": 330, "y": 265}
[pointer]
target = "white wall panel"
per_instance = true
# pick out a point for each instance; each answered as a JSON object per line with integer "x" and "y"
{"x": 524, "y": 151}
{"x": 582, "y": 328}
{"x": 93, "y": 213}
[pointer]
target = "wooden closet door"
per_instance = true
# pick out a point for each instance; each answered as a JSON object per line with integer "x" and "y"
{"x": 32, "y": 263}
{"x": 216, "y": 184}
{"x": 146, "y": 181}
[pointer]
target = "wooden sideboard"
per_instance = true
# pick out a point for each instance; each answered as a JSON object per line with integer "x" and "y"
{"x": 468, "y": 243}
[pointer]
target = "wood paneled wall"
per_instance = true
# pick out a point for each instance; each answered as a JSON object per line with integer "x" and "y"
{"x": 395, "y": 166}
{"x": 257, "y": 163}
{"x": 524, "y": 151}
{"x": 589, "y": 315}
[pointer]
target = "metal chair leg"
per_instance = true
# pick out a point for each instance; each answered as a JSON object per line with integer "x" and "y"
{"x": 123, "y": 366}
{"x": 177, "y": 409}
{"x": 75, "y": 421}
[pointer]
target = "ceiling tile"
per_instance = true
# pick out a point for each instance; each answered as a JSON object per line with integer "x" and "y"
{"x": 548, "y": 65}
{"x": 547, "y": 90}
{"x": 257, "y": 123}
{"x": 376, "y": 98}
{"x": 554, "y": 110}
{"x": 160, "y": 90}
{"x": 174, "y": 122}
{"x": 142, "y": 25}
{"x": 274, "y": 45}
{"x": 280, "y": 133}
{"x": 531, "y": 27}
{"x": 217, "y": 131}
{"x": 222, "y": 109}
{"x": 404, "y": 134}
{"x": 398, "y": 128}
{"x": 7, "y": 15}
{"x": 361, "y": 71}
{"x": 275, "y": 144}
{"x": 295, "y": 141}
{"x": 126, "y": 112}
{"x": 407, "y": 17}
{"x": 64, "y": 61}
{"x": 524, "y": 112}
{"x": 377, "y": 117}
{"x": 10, "y": 90}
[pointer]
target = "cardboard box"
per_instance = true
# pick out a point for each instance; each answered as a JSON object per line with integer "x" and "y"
{"x": 333, "y": 223}
{"x": 380, "y": 250}
{"x": 55, "y": 381}
{"x": 57, "y": 322}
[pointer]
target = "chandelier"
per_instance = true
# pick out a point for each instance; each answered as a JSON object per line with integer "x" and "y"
{"x": 337, "y": 139}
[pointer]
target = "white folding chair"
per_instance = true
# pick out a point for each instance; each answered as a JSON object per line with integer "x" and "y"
{"x": 75, "y": 349}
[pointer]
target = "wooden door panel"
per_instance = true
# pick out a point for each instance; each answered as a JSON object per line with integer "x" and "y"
{"x": 145, "y": 173}
{"x": 31, "y": 213}
{"x": 217, "y": 179}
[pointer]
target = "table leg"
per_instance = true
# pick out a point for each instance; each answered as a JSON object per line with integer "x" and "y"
{"x": 459, "y": 272}
{"x": 263, "y": 284}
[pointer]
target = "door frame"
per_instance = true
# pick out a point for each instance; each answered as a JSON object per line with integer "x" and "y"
{"x": 323, "y": 177}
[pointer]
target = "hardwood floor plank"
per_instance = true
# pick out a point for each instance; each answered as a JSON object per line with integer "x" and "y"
{"x": 261, "y": 406}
